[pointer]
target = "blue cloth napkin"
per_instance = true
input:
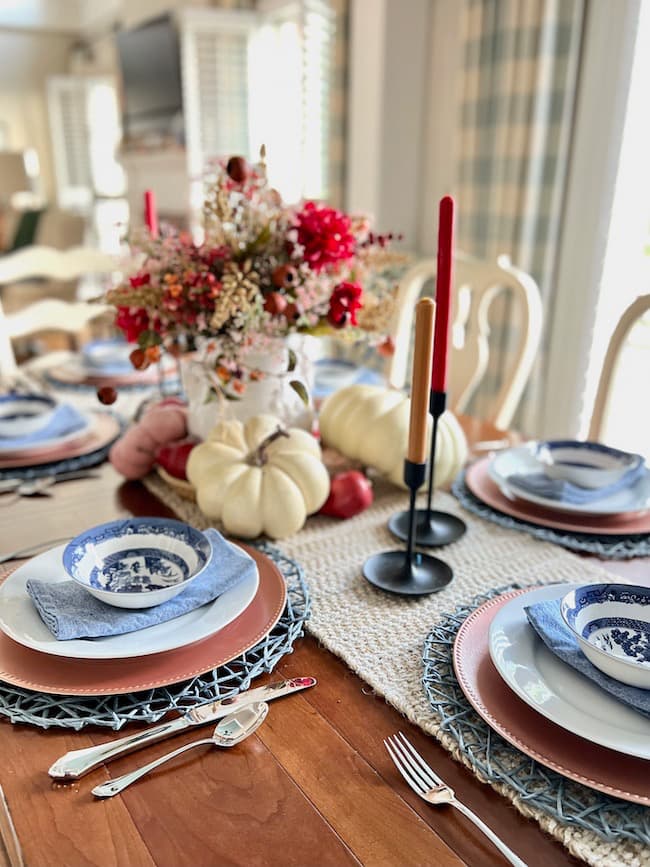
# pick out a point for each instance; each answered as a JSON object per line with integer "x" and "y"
{"x": 568, "y": 492}
{"x": 69, "y": 611}
{"x": 546, "y": 620}
{"x": 65, "y": 419}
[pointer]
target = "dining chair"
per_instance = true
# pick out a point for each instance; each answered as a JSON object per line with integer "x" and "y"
{"x": 42, "y": 313}
{"x": 477, "y": 285}
{"x": 39, "y": 261}
{"x": 632, "y": 316}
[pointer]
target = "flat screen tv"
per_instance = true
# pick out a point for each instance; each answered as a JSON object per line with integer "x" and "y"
{"x": 150, "y": 65}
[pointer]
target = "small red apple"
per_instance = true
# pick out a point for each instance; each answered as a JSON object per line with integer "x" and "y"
{"x": 173, "y": 457}
{"x": 350, "y": 494}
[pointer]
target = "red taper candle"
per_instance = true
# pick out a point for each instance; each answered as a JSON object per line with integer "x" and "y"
{"x": 150, "y": 213}
{"x": 443, "y": 294}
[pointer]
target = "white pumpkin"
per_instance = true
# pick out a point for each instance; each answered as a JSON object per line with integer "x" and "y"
{"x": 370, "y": 424}
{"x": 255, "y": 477}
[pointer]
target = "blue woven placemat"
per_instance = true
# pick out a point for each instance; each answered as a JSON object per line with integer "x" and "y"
{"x": 113, "y": 711}
{"x": 608, "y": 547}
{"x": 496, "y": 761}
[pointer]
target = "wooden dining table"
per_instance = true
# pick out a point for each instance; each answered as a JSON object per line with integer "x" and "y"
{"x": 313, "y": 786}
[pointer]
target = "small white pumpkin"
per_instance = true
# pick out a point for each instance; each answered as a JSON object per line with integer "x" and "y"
{"x": 370, "y": 424}
{"x": 256, "y": 477}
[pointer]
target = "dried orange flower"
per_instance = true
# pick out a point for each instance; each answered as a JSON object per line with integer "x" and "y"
{"x": 386, "y": 348}
{"x": 152, "y": 353}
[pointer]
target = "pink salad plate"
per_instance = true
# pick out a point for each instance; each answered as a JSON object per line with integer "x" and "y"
{"x": 481, "y": 485}
{"x": 104, "y": 430}
{"x": 574, "y": 757}
{"x": 66, "y": 676}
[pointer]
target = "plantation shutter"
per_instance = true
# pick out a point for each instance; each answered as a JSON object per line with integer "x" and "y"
{"x": 85, "y": 130}
{"x": 318, "y": 43}
{"x": 291, "y": 84}
{"x": 68, "y": 114}
{"x": 215, "y": 57}
{"x": 260, "y": 78}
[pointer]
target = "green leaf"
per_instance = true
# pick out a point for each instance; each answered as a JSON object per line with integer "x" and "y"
{"x": 149, "y": 338}
{"x": 229, "y": 396}
{"x": 293, "y": 360}
{"x": 211, "y": 396}
{"x": 300, "y": 390}
{"x": 257, "y": 243}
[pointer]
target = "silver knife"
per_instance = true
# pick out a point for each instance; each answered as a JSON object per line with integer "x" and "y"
{"x": 75, "y": 764}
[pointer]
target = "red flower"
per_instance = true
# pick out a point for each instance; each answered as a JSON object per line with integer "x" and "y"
{"x": 133, "y": 321}
{"x": 140, "y": 280}
{"x": 325, "y": 234}
{"x": 344, "y": 303}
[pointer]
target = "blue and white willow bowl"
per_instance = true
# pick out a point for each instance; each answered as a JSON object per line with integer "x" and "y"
{"x": 113, "y": 354}
{"x": 138, "y": 562}
{"x": 612, "y": 625}
{"x": 23, "y": 414}
{"x": 587, "y": 464}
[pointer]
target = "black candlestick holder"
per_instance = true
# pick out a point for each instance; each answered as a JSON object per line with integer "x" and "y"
{"x": 408, "y": 572}
{"x": 433, "y": 529}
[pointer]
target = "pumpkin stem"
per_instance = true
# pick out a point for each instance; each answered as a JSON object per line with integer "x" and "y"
{"x": 258, "y": 457}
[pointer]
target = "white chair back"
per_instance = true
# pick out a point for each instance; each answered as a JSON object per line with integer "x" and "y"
{"x": 41, "y": 261}
{"x": 49, "y": 314}
{"x": 476, "y": 285}
{"x": 631, "y": 316}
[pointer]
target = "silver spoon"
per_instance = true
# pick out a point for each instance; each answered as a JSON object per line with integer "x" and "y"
{"x": 230, "y": 731}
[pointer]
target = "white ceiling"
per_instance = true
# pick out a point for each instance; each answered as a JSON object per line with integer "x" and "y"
{"x": 63, "y": 16}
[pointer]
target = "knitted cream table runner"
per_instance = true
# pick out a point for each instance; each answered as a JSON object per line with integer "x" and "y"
{"x": 381, "y": 637}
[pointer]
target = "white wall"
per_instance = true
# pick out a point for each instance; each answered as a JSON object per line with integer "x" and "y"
{"x": 136, "y": 13}
{"x": 27, "y": 60}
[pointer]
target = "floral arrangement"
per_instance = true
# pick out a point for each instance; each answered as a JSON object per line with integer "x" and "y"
{"x": 263, "y": 270}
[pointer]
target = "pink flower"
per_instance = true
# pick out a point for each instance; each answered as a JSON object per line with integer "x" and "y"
{"x": 325, "y": 235}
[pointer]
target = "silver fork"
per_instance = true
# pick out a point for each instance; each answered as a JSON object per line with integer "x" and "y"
{"x": 429, "y": 786}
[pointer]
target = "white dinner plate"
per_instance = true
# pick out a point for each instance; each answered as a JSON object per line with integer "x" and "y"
{"x": 556, "y": 690}
{"x": 20, "y": 620}
{"x": 521, "y": 461}
{"x": 53, "y": 442}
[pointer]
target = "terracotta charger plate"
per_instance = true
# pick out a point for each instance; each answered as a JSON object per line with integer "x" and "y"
{"x": 482, "y": 486}
{"x": 43, "y": 672}
{"x": 554, "y": 747}
{"x": 105, "y": 429}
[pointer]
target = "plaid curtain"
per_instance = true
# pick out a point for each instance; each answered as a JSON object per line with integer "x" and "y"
{"x": 517, "y": 102}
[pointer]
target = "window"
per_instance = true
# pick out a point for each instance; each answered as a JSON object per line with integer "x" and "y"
{"x": 85, "y": 128}
{"x": 252, "y": 79}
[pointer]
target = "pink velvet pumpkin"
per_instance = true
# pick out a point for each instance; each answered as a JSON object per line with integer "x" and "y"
{"x": 134, "y": 454}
